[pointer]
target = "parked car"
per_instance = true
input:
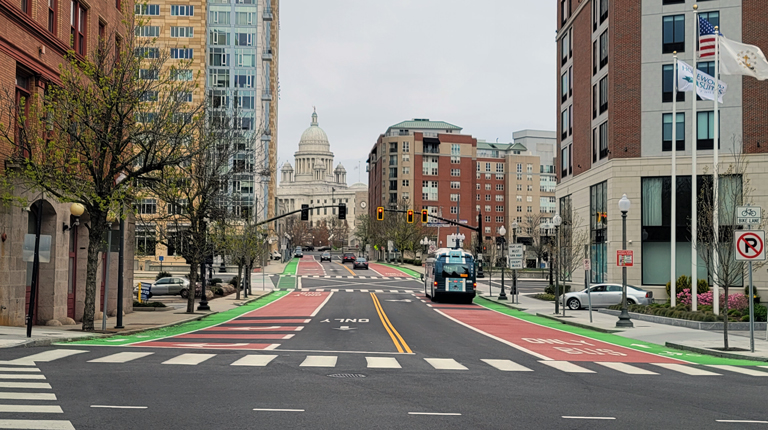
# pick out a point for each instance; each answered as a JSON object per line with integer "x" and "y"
{"x": 298, "y": 252}
{"x": 324, "y": 248}
{"x": 325, "y": 256}
{"x": 170, "y": 286}
{"x": 276, "y": 255}
{"x": 309, "y": 248}
{"x": 604, "y": 295}
{"x": 360, "y": 263}
{"x": 348, "y": 257}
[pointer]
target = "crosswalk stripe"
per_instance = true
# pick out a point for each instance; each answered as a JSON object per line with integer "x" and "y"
{"x": 382, "y": 363}
{"x": 336, "y": 290}
{"x": 189, "y": 359}
{"x": 367, "y": 291}
{"x": 566, "y": 366}
{"x": 34, "y": 409}
{"x": 507, "y": 365}
{"x": 384, "y": 277}
{"x": 739, "y": 369}
{"x": 626, "y": 368}
{"x": 45, "y": 357}
{"x": 338, "y": 276}
{"x": 32, "y": 385}
{"x": 21, "y": 376}
{"x": 36, "y": 424}
{"x": 254, "y": 360}
{"x": 319, "y": 361}
{"x": 26, "y": 396}
{"x": 350, "y": 277}
{"x": 396, "y": 291}
{"x": 326, "y": 276}
{"x": 121, "y": 357}
{"x": 445, "y": 364}
{"x": 379, "y": 291}
{"x": 19, "y": 369}
{"x": 352, "y": 291}
{"x": 693, "y": 371}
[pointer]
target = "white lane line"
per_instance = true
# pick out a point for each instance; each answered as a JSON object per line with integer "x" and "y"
{"x": 254, "y": 360}
{"x": 742, "y": 421}
{"x": 382, "y": 363}
{"x": 445, "y": 364}
{"x": 121, "y": 357}
{"x": 278, "y": 410}
{"x": 739, "y": 369}
{"x": 118, "y": 407}
{"x": 288, "y": 336}
{"x": 22, "y": 376}
{"x": 567, "y": 417}
{"x": 32, "y": 385}
{"x": 32, "y": 409}
{"x": 566, "y": 366}
{"x": 190, "y": 359}
{"x": 321, "y": 305}
{"x": 449, "y": 414}
{"x": 298, "y": 284}
{"x": 693, "y": 371}
{"x": 19, "y": 369}
{"x": 27, "y": 396}
{"x": 299, "y": 328}
{"x": 44, "y": 357}
{"x": 319, "y": 361}
{"x": 37, "y": 424}
{"x": 507, "y": 365}
{"x": 626, "y": 368}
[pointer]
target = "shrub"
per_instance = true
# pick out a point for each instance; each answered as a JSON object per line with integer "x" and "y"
{"x": 215, "y": 281}
{"x": 547, "y": 297}
{"x": 136, "y": 304}
{"x": 702, "y": 286}
{"x": 745, "y": 318}
{"x": 235, "y": 281}
{"x": 709, "y": 318}
{"x": 162, "y": 275}
{"x": 563, "y": 289}
{"x": 682, "y": 283}
{"x": 761, "y": 313}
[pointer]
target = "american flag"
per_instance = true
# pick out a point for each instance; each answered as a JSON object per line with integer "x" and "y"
{"x": 707, "y": 38}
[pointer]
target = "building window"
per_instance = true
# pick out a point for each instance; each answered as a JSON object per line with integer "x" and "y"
{"x": 406, "y": 182}
{"x": 454, "y": 197}
{"x": 598, "y": 229}
{"x": 406, "y": 146}
{"x": 147, "y": 52}
{"x": 666, "y": 2}
{"x": 499, "y": 177}
{"x": 244, "y": 39}
{"x": 529, "y": 199}
{"x": 147, "y": 9}
{"x": 564, "y": 162}
{"x": 487, "y": 186}
{"x": 182, "y": 32}
{"x": 499, "y": 197}
{"x": 406, "y": 170}
{"x": 603, "y": 140}
{"x": 564, "y": 48}
{"x": 147, "y": 207}
{"x": 564, "y": 124}
{"x": 604, "y": 49}
{"x": 667, "y": 132}
{"x": 406, "y": 157}
{"x": 455, "y": 149}
{"x": 487, "y": 167}
{"x": 455, "y": 160}
{"x": 52, "y": 4}
{"x": 454, "y": 210}
{"x": 429, "y": 166}
{"x": 478, "y": 197}
{"x": 182, "y": 53}
{"x": 595, "y": 58}
{"x": 520, "y": 209}
{"x": 78, "y": 21}
{"x": 530, "y": 187}
{"x": 146, "y": 239}
{"x": 147, "y": 31}
{"x": 245, "y": 18}
{"x": 182, "y": 10}
{"x": 499, "y": 187}
{"x": 673, "y": 34}
{"x": 519, "y": 176}
{"x": 455, "y": 185}
{"x": 218, "y": 37}
{"x": 455, "y": 172}
{"x": 148, "y": 74}
{"x": 564, "y": 87}
{"x": 603, "y": 10}
{"x": 705, "y": 133}
{"x": 499, "y": 208}
{"x": 487, "y": 197}
{"x": 181, "y": 75}
{"x": 218, "y": 57}
{"x": 668, "y": 84}
{"x": 499, "y": 167}
{"x": 604, "y": 94}
{"x": 519, "y": 187}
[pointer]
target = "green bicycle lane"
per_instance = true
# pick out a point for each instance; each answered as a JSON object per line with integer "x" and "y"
{"x": 642, "y": 346}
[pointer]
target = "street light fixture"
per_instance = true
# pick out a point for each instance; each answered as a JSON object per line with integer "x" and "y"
{"x": 624, "y": 320}
{"x": 514, "y": 271}
{"x": 503, "y": 233}
{"x": 557, "y": 220}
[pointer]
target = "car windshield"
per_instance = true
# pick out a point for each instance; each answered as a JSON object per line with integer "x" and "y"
{"x": 361, "y": 260}
{"x": 455, "y": 270}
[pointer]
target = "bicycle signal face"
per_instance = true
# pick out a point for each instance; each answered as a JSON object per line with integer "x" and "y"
{"x": 748, "y": 215}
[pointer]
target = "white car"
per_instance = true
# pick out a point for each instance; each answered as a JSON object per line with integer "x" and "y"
{"x": 604, "y": 295}
{"x": 276, "y": 255}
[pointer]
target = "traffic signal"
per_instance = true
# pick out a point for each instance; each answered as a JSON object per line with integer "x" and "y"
{"x": 424, "y": 216}
{"x": 380, "y": 213}
{"x": 304, "y": 212}
{"x": 342, "y": 211}
{"x": 410, "y": 216}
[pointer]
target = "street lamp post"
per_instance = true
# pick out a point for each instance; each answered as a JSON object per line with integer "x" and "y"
{"x": 503, "y": 233}
{"x": 514, "y": 271}
{"x": 557, "y": 220}
{"x": 624, "y": 320}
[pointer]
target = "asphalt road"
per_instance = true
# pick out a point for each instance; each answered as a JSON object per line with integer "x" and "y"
{"x": 378, "y": 356}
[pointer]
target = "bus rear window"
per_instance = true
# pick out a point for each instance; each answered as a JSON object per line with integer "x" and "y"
{"x": 455, "y": 271}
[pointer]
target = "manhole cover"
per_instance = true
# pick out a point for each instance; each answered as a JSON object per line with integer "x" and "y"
{"x": 347, "y": 375}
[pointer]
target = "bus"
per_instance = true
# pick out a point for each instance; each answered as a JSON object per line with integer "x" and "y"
{"x": 450, "y": 275}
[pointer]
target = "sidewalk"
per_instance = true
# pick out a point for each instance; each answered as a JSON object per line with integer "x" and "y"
{"x": 132, "y": 322}
{"x": 701, "y": 341}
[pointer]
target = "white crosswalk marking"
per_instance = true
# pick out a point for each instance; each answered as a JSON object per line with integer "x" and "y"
{"x": 339, "y": 277}
{"x": 121, "y": 357}
{"x": 352, "y": 291}
{"x": 189, "y": 359}
{"x": 328, "y": 276}
{"x": 21, "y": 376}
{"x": 336, "y": 290}
{"x": 693, "y": 371}
{"x": 43, "y": 357}
{"x": 323, "y": 289}
{"x": 254, "y": 360}
{"x": 350, "y": 277}
{"x": 31, "y": 385}
{"x": 445, "y": 364}
{"x": 384, "y": 277}
{"x": 626, "y": 368}
{"x": 34, "y": 409}
{"x": 566, "y": 366}
{"x": 26, "y": 396}
{"x": 382, "y": 363}
{"x": 739, "y": 369}
{"x": 36, "y": 424}
{"x": 507, "y": 365}
{"x": 319, "y": 361}
{"x": 395, "y": 291}
{"x": 381, "y": 291}
{"x": 367, "y": 291}
{"x": 19, "y": 369}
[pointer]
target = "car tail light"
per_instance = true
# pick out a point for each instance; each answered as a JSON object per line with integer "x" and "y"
{"x": 474, "y": 285}
{"x": 435, "y": 284}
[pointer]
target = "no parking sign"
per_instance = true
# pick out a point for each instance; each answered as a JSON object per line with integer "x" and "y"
{"x": 750, "y": 245}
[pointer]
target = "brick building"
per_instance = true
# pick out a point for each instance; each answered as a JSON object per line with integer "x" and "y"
{"x": 614, "y": 98}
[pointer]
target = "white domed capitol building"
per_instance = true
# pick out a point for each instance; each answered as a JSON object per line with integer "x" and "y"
{"x": 314, "y": 181}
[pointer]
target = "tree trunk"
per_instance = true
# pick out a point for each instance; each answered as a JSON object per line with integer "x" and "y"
{"x": 193, "y": 268}
{"x": 725, "y": 319}
{"x": 97, "y": 227}
{"x": 239, "y": 280}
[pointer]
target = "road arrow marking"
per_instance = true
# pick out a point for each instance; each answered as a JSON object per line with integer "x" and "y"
{"x": 404, "y": 300}
{"x": 344, "y": 328}
{"x": 325, "y": 320}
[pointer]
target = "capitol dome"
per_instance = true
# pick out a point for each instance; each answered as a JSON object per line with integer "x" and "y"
{"x": 314, "y": 138}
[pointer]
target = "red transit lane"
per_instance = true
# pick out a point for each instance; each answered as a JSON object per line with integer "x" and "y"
{"x": 309, "y": 266}
{"x": 260, "y": 329}
{"x": 387, "y": 271}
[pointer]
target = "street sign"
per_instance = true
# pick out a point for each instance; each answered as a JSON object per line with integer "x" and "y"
{"x": 750, "y": 245}
{"x": 516, "y": 251}
{"x": 748, "y": 215}
{"x": 515, "y": 264}
{"x": 161, "y": 258}
{"x": 625, "y": 258}
{"x": 587, "y": 264}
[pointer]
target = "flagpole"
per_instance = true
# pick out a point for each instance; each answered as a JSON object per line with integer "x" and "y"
{"x": 694, "y": 184}
{"x": 673, "y": 238}
{"x": 716, "y": 183}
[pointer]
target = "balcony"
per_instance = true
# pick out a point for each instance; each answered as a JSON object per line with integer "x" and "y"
{"x": 266, "y": 97}
{"x": 267, "y": 14}
{"x": 267, "y": 55}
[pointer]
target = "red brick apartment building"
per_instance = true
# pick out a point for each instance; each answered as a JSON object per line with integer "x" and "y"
{"x": 614, "y": 110}
{"x": 35, "y": 35}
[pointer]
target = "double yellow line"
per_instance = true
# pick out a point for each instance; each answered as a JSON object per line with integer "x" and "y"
{"x": 396, "y": 338}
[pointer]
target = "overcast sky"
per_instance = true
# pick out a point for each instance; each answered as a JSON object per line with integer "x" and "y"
{"x": 485, "y": 65}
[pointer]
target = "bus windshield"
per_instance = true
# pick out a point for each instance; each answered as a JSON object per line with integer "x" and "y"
{"x": 455, "y": 271}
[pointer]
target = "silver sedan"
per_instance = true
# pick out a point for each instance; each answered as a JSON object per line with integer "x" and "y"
{"x": 604, "y": 295}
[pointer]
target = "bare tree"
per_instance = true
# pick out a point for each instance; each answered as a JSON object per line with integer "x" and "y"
{"x": 573, "y": 237}
{"x": 539, "y": 240}
{"x": 405, "y": 236}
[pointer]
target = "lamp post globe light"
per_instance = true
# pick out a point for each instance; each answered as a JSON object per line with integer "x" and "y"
{"x": 514, "y": 271}
{"x": 557, "y": 220}
{"x": 503, "y": 234}
{"x": 624, "y": 320}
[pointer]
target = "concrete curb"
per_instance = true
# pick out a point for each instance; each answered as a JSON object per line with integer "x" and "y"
{"x": 576, "y": 324}
{"x": 509, "y": 305}
{"x": 49, "y": 342}
{"x": 152, "y": 309}
{"x": 697, "y": 325}
{"x": 714, "y": 352}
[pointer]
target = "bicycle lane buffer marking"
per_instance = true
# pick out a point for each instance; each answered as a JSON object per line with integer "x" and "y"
{"x": 548, "y": 343}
